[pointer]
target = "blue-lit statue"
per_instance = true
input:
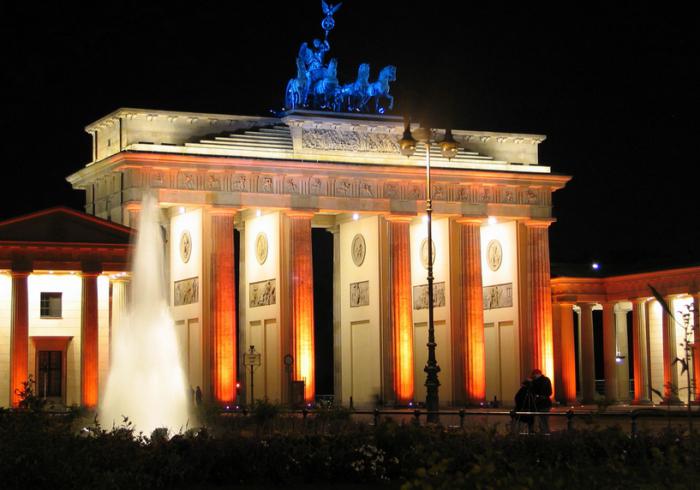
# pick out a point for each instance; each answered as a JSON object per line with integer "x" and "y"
{"x": 316, "y": 84}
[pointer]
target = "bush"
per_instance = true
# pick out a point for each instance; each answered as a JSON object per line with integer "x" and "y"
{"x": 395, "y": 454}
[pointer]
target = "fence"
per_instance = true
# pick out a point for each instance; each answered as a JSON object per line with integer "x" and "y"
{"x": 417, "y": 415}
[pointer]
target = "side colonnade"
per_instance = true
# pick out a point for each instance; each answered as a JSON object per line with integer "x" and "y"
{"x": 640, "y": 340}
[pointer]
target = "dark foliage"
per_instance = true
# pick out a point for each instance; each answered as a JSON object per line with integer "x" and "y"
{"x": 38, "y": 450}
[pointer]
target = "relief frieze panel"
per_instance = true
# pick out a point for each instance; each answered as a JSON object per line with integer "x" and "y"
{"x": 338, "y": 140}
{"x": 392, "y": 190}
{"x": 266, "y": 184}
{"x": 363, "y": 187}
{"x": 318, "y": 186}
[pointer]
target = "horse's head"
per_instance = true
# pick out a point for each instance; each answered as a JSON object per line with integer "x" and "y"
{"x": 363, "y": 72}
{"x": 388, "y": 73}
{"x": 332, "y": 70}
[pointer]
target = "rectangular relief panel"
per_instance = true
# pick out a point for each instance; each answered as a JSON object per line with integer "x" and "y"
{"x": 263, "y": 293}
{"x": 359, "y": 294}
{"x": 186, "y": 291}
{"x": 498, "y": 296}
{"x": 420, "y": 296}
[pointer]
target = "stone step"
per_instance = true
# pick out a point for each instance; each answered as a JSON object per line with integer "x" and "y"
{"x": 248, "y": 137}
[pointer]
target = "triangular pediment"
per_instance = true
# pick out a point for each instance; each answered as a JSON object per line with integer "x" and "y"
{"x": 63, "y": 225}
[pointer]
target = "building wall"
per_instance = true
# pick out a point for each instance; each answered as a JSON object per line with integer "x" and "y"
{"x": 360, "y": 325}
{"x": 5, "y": 327}
{"x": 69, "y": 325}
{"x": 263, "y": 326}
{"x": 441, "y": 314}
{"x": 501, "y": 332}
{"x": 188, "y": 317}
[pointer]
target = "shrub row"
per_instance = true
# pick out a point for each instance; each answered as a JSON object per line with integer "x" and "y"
{"x": 37, "y": 451}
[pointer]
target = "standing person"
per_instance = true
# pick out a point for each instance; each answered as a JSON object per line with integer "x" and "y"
{"x": 198, "y": 396}
{"x": 524, "y": 402}
{"x": 542, "y": 389}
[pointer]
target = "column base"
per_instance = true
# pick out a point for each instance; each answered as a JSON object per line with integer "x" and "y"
{"x": 672, "y": 401}
{"x": 641, "y": 402}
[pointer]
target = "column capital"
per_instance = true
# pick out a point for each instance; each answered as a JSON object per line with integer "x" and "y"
{"x": 89, "y": 273}
{"x": 471, "y": 220}
{"x": 399, "y": 218}
{"x": 639, "y": 301}
{"x": 222, "y": 211}
{"x": 299, "y": 213}
{"x": 539, "y": 223}
{"x": 19, "y": 274}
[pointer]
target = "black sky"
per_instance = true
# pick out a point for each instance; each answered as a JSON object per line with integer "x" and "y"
{"x": 611, "y": 87}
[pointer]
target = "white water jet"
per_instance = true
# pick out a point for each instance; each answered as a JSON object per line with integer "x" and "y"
{"x": 146, "y": 382}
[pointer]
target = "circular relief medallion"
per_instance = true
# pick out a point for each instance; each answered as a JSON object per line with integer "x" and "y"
{"x": 424, "y": 252}
{"x": 185, "y": 246}
{"x": 261, "y": 248}
{"x": 494, "y": 255}
{"x": 358, "y": 250}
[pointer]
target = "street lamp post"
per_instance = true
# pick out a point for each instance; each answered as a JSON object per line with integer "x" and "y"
{"x": 448, "y": 148}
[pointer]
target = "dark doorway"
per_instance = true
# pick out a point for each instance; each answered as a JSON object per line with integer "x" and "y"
{"x": 322, "y": 243}
{"x": 49, "y": 383}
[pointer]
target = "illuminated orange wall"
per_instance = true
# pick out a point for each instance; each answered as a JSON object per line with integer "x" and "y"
{"x": 20, "y": 335}
{"x": 568, "y": 356}
{"x": 89, "y": 342}
{"x": 473, "y": 312}
{"x": 303, "y": 303}
{"x": 401, "y": 311}
{"x": 540, "y": 297}
{"x": 223, "y": 319}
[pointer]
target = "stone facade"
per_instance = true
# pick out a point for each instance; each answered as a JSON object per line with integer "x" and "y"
{"x": 342, "y": 172}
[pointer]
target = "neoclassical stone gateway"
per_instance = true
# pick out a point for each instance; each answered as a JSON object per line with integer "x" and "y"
{"x": 273, "y": 179}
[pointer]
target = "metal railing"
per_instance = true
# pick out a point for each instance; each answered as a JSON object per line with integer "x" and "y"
{"x": 417, "y": 415}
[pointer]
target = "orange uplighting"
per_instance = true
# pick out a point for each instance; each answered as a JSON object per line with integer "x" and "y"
{"x": 473, "y": 312}
{"x": 303, "y": 303}
{"x": 20, "y": 336}
{"x": 541, "y": 298}
{"x": 568, "y": 354}
{"x": 89, "y": 342}
{"x": 224, "y": 308}
{"x": 402, "y": 313}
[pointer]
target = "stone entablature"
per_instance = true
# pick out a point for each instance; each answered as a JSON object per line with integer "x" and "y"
{"x": 300, "y": 136}
{"x": 625, "y": 287}
{"x": 121, "y": 179}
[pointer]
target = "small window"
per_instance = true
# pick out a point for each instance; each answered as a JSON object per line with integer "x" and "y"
{"x": 51, "y": 305}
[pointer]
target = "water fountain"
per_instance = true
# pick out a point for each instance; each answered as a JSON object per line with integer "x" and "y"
{"x": 146, "y": 382}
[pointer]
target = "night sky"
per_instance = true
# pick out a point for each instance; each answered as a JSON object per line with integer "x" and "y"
{"x": 610, "y": 87}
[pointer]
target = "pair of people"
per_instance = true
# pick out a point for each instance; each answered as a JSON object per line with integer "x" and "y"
{"x": 534, "y": 395}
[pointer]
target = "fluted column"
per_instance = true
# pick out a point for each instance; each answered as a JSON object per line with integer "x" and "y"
{"x": 540, "y": 296}
{"x": 610, "y": 352}
{"x": 19, "y": 335}
{"x": 587, "y": 354}
{"x": 641, "y": 352}
{"x": 302, "y": 301}
{"x": 89, "y": 341}
{"x": 401, "y": 308}
{"x": 473, "y": 311}
{"x": 567, "y": 351}
{"x": 670, "y": 351}
{"x": 696, "y": 344}
{"x": 223, "y": 306}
